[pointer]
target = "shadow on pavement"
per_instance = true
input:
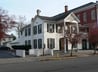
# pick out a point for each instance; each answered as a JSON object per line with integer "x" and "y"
{"x": 6, "y": 54}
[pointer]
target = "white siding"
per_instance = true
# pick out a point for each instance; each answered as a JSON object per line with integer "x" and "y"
{"x": 54, "y": 35}
{"x": 37, "y": 22}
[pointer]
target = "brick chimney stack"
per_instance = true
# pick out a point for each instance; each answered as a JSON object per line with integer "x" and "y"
{"x": 66, "y": 8}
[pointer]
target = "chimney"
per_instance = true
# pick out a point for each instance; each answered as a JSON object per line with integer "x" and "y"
{"x": 38, "y": 12}
{"x": 66, "y": 8}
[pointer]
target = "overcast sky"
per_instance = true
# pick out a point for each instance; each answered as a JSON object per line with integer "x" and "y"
{"x": 28, "y": 8}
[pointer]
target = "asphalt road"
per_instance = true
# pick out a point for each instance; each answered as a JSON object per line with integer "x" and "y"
{"x": 86, "y": 64}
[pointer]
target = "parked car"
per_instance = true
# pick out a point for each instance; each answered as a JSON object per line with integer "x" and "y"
{"x": 4, "y": 48}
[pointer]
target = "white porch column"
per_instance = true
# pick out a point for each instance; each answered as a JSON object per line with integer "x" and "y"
{"x": 64, "y": 38}
{"x": 87, "y": 44}
{"x": 65, "y": 46}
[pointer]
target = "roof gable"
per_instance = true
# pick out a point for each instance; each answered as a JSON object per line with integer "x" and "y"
{"x": 71, "y": 17}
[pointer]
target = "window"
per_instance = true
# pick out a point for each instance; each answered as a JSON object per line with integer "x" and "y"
{"x": 50, "y": 28}
{"x": 51, "y": 43}
{"x": 73, "y": 29}
{"x": 93, "y": 16}
{"x": 35, "y": 30}
{"x": 59, "y": 29}
{"x": 75, "y": 45}
{"x": 25, "y": 42}
{"x": 35, "y": 43}
{"x": 29, "y": 42}
{"x": 29, "y": 31}
{"x": 21, "y": 32}
{"x": 25, "y": 32}
{"x": 39, "y": 43}
{"x": 40, "y": 28}
{"x": 78, "y": 16}
{"x": 84, "y": 17}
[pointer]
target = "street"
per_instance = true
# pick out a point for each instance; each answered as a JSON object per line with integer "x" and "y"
{"x": 84, "y": 64}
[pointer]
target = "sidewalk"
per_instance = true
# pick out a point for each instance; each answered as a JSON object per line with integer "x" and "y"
{"x": 80, "y": 53}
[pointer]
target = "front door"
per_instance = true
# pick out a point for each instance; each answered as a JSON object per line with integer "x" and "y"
{"x": 61, "y": 44}
{"x": 84, "y": 44}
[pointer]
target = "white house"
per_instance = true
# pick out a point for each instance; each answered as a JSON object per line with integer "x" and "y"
{"x": 24, "y": 36}
{"x": 5, "y": 41}
{"x": 46, "y": 33}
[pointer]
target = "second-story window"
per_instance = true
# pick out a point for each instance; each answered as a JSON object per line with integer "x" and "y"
{"x": 25, "y": 32}
{"x": 21, "y": 32}
{"x": 35, "y": 30}
{"x": 39, "y": 28}
{"x": 50, "y": 28}
{"x": 29, "y": 31}
{"x": 84, "y": 17}
{"x": 59, "y": 29}
{"x": 93, "y": 16}
{"x": 78, "y": 16}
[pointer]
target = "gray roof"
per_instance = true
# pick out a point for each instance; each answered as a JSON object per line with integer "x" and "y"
{"x": 64, "y": 14}
{"x": 57, "y": 17}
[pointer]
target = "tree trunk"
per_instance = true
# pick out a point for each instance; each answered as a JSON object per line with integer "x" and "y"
{"x": 71, "y": 54}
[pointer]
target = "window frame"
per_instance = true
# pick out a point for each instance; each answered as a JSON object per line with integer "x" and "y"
{"x": 49, "y": 29}
{"x": 35, "y": 43}
{"x": 40, "y": 29}
{"x": 35, "y": 30}
{"x": 29, "y": 31}
{"x": 93, "y": 15}
{"x": 39, "y": 43}
{"x": 26, "y": 32}
{"x": 51, "y": 43}
{"x": 84, "y": 17}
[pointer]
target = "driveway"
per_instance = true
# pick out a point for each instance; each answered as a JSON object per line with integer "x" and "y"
{"x": 6, "y": 54}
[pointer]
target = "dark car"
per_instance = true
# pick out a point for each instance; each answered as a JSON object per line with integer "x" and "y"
{"x": 4, "y": 48}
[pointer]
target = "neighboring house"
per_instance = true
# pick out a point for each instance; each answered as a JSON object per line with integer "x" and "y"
{"x": 88, "y": 16}
{"x": 48, "y": 32}
{"x": 7, "y": 39}
{"x": 24, "y": 36}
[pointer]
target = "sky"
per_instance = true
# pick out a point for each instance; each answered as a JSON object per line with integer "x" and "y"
{"x": 28, "y": 8}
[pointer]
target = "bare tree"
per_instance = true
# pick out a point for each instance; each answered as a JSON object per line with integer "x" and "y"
{"x": 6, "y": 22}
{"x": 74, "y": 40}
{"x": 20, "y": 24}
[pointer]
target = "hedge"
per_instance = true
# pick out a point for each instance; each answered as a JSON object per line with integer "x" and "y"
{"x": 22, "y": 47}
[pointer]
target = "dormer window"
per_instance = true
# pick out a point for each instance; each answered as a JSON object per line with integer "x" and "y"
{"x": 50, "y": 28}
